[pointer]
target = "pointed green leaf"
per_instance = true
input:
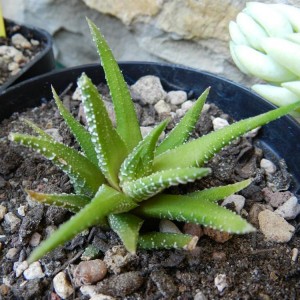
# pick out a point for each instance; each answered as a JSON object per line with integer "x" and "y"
{"x": 69, "y": 201}
{"x": 81, "y": 134}
{"x": 107, "y": 200}
{"x": 85, "y": 176}
{"x": 127, "y": 227}
{"x": 149, "y": 186}
{"x": 139, "y": 162}
{"x": 183, "y": 129}
{"x": 127, "y": 122}
{"x": 110, "y": 148}
{"x": 193, "y": 210}
{"x": 162, "y": 240}
{"x": 217, "y": 193}
{"x": 197, "y": 152}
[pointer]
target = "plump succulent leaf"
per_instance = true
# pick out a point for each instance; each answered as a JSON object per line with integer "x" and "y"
{"x": 198, "y": 151}
{"x": 146, "y": 187}
{"x": 127, "y": 227}
{"x": 140, "y": 161}
{"x": 82, "y": 136}
{"x": 110, "y": 148}
{"x": 193, "y": 210}
{"x": 217, "y": 193}
{"x": 71, "y": 202}
{"x": 85, "y": 176}
{"x": 127, "y": 123}
{"x": 107, "y": 200}
{"x": 183, "y": 129}
{"x": 162, "y": 240}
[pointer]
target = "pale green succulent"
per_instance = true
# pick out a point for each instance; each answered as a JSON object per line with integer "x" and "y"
{"x": 266, "y": 44}
{"x": 119, "y": 177}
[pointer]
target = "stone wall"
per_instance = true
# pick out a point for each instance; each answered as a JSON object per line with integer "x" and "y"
{"x": 188, "y": 32}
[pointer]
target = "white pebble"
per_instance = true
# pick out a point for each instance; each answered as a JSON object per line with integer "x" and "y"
{"x": 200, "y": 296}
{"x": 237, "y": 200}
{"x": 102, "y": 297}
{"x": 20, "y": 267}
{"x": 176, "y": 97}
{"x": 180, "y": 112}
{"x": 34, "y": 271}
{"x": 54, "y": 132}
{"x": 88, "y": 290}
{"x": 162, "y": 107}
{"x": 268, "y": 166}
{"x": 12, "y": 220}
{"x": 290, "y": 209}
{"x": 221, "y": 282}
{"x": 34, "y": 42}
{"x": 76, "y": 95}
{"x": 62, "y": 286}
{"x": 11, "y": 253}
{"x": 187, "y": 105}
{"x": 19, "y": 40}
{"x": 274, "y": 227}
{"x": 168, "y": 227}
{"x": 35, "y": 239}
{"x": 22, "y": 210}
{"x": 206, "y": 107}
{"x": 295, "y": 253}
{"x": 3, "y": 211}
{"x": 13, "y": 66}
{"x": 219, "y": 123}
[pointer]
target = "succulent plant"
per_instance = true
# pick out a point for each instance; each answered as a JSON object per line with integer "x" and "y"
{"x": 119, "y": 178}
{"x": 266, "y": 44}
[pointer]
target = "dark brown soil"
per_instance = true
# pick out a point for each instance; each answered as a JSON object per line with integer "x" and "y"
{"x": 254, "y": 268}
{"x": 28, "y": 53}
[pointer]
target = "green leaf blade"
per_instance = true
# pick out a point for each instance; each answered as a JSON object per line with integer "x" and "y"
{"x": 192, "y": 210}
{"x": 127, "y": 122}
{"x": 110, "y": 148}
{"x": 146, "y": 187}
{"x": 197, "y": 152}
{"x": 107, "y": 200}
{"x": 85, "y": 176}
{"x": 127, "y": 226}
{"x": 82, "y": 136}
{"x": 182, "y": 130}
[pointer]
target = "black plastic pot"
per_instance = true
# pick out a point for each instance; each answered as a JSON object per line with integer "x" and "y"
{"x": 42, "y": 63}
{"x": 279, "y": 139}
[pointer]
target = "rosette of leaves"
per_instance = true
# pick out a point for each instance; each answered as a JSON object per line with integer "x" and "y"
{"x": 119, "y": 178}
{"x": 266, "y": 44}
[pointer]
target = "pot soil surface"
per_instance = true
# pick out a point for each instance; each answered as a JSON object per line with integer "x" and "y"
{"x": 16, "y": 50}
{"x": 237, "y": 267}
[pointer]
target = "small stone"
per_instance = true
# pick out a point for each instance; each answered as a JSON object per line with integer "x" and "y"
{"x": 193, "y": 229}
{"x": 11, "y": 253}
{"x": 290, "y": 209}
{"x": 268, "y": 166}
{"x": 62, "y": 286}
{"x": 88, "y": 290}
{"x": 168, "y": 227}
{"x": 219, "y": 255}
{"x": 34, "y": 271}
{"x": 50, "y": 229}
{"x": 216, "y": 235}
{"x": 200, "y": 296}
{"x": 255, "y": 209}
{"x": 77, "y": 94}
{"x": 19, "y": 40}
{"x": 3, "y": 211}
{"x": 274, "y": 227}
{"x": 219, "y": 123}
{"x": 221, "y": 282}
{"x": 35, "y": 239}
{"x": 176, "y": 97}
{"x": 12, "y": 220}
{"x": 187, "y": 105}
{"x": 252, "y": 133}
{"x": 13, "y": 66}
{"x": 276, "y": 198}
{"x": 4, "y": 289}
{"x": 34, "y": 42}
{"x": 162, "y": 107}
{"x": 180, "y": 112}
{"x": 295, "y": 253}
{"x": 20, "y": 267}
{"x": 102, "y": 297}
{"x": 22, "y": 210}
{"x": 89, "y": 272}
{"x": 54, "y": 132}
{"x": 237, "y": 200}
{"x": 116, "y": 258}
{"x": 148, "y": 89}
